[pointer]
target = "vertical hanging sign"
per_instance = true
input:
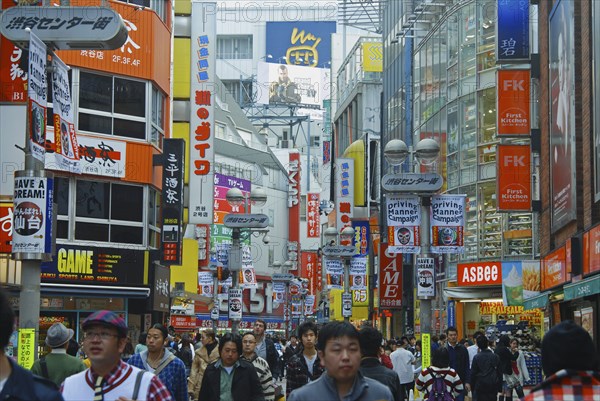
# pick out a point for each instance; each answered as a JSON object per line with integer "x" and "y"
{"x": 313, "y": 218}
{"x": 202, "y": 155}
{"x": 404, "y": 224}
{"x": 345, "y": 193}
{"x": 513, "y": 103}
{"x": 37, "y": 91}
{"x": 512, "y": 31}
{"x": 67, "y": 149}
{"x": 514, "y": 177}
{"x": 294, "y": 174}
{"x": 172, "y": 200}
{"x": 447, "y": 223}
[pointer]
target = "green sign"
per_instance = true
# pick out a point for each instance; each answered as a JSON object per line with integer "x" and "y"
{"x": 537, "y": 302}
{"x": 583, "y": 288}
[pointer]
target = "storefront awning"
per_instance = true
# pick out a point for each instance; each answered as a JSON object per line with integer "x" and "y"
{"x": 95, "y": 290}
{"x": 539, "y": 301}
{"x": 583, "y": 288}
{"x": 473, "y": 292}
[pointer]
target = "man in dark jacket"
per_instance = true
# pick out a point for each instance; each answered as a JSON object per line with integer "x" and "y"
{"x": 264, "y": 345}
{"x": 231, "y": 374}
{"x": 486, "y": 376}
{"x": 459, "y": 359}
{"x": 305, "y": 366}
{"x": 370, "y": 340}
{"x": 19, "y": 383}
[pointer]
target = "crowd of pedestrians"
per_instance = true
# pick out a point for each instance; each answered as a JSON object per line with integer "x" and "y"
{"x": 334, "y": 362}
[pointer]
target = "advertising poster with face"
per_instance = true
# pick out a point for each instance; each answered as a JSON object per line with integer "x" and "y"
{"x": 205, "y": 284}
{"x": 404, "y": 222}
{"x": 309, "y": 304}
{"x": 358, "y": 274}
{"x": 248, "y": 277}
{"x": 278, "y": 291}
{"x": 296, "y": 305}
{"x": 335, "y": 274}
{"x": 447, "y": 223}
{"x": 37, "y": 92}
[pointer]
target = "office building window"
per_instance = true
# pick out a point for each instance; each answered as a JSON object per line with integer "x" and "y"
{"x": 234, "y": 47}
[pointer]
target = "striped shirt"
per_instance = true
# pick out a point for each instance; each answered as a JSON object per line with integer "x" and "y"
{"x": 567, "y": 385}
{"x": 264, "y": 376}
{"x": 453, "y": 383}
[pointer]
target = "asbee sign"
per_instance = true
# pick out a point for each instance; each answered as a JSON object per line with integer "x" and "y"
{"x": 479, "y": 273}
{"x": 65, "y": 28}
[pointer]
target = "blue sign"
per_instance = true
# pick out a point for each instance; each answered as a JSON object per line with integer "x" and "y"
{"x": 300, "y": 43}
{"x": 361, "y": 238}
{"x": 451, "y": 311}
{"x": 513, "y": 30}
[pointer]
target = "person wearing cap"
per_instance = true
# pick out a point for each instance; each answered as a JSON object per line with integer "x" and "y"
{"x": 58, "y": 365}
{"x": 109, "y": 378}
{"x": 162, "y": 362}
{"x": 17, "y": 383}
{"x": 570, "y": 364}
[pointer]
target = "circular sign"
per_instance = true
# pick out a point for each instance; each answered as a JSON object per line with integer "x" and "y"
{"x": 30, "y": 216}
{"x": 425, "y": 278}
{"x": 235, "y": 305}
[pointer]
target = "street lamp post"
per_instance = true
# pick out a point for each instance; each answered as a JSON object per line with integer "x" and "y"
{"x": 426, "y": 153}
{"x": 238, "y": 222}
{"x": 345, "y": 252}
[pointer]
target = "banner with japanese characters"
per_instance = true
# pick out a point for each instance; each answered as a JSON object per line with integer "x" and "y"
{"x": 344, "y": 181}
{"x": 425, "y": 277}
{"x": 335, "y": 274}
{"x": 66, "y": 153}
{"x": 358, "y": 273}
{"x": 235, "y": 303}
{"x": 447, "y": 223}
{"x": 313, "y": 217}
{"x": 32, "y": 217}
{"x": 172, "y": 200}
{"x": 404, "y": 223}
{"x": 37, "y": 90}
{"x": 205, "y": 284}
{"x": 309, "y": 305}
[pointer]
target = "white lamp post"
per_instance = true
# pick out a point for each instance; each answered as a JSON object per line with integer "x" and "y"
{"x": 426, "y": 153}
{"x": 238, "y": 222}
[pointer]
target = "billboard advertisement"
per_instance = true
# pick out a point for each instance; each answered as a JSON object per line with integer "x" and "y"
{"x": 562, "y": 114}
{"x": 201, "y": 144}
{"x": 514, "y": 177}
{"x": 554, "y": 268}
{"x": 306, "y": 43}
{"x": 513, "y": 111}
{"x": 291, "y": 84}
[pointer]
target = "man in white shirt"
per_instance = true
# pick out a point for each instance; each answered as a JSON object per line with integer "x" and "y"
{"x": 403, "y": 361}
{"x": 473, "y": 349}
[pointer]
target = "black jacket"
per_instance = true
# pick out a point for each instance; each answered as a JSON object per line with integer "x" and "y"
{"x": 486, "y": 376}
{"x": 461, "y": 364}
{"x": 272, "y": 355}
{"x": 22, "y": 385}
{"x": 290, "y": 352}
{"x": 505, "y": 359}
{"x": 372, "y": 368}
{"x": 297, "y": 372}
{"x": 245, "y": 385}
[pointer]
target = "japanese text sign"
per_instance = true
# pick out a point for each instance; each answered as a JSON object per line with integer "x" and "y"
{"x": 37, "y": 91}
{"x": 390, "y": 278}
{"x": 26, "y": 348}
{"x": 313, "y": 217}
{"x": 425, "y": 277}
{"x": 6, "y": 227}
{"x": 554, "y": 268}
{"x": 172, "y": 200}
{"x": 512, "y": 30}
{"x": 345, "y": 193}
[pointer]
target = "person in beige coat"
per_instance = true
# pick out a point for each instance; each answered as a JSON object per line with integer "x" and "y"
{"x": 207, "y": 354}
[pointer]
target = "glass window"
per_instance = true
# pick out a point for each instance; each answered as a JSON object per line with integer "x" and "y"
{"x": 468, "y": 145}
{"x": 490, "y": 238}
{"x": 112, "y": 106}
{"x": 125, "y": 202}
{"x": 234, "y": 47}
{"x": 61, "y": 195}
{"x": 92, "y": 199}
{"x": 467, "y": 50}
{"x": 157, "y": 117}
{"x": 487, "y": 115}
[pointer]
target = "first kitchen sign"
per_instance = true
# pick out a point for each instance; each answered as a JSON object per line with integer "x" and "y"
{"x": 32, "y": 215}
{"x": 479, "y": 273}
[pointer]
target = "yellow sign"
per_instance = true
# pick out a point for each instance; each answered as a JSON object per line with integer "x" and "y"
{"x": 425, "y": 350}
{"x": 498, "y": 308}
{"x": 372, "y": 57}
{"x": 26, "y": 348}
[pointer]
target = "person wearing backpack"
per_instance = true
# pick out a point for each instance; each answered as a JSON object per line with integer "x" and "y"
{"x": 486, "y": 375}
{"x": 439, "y": 381}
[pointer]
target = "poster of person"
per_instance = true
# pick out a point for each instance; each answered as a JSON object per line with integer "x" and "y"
{"x": 66, "y": 154}
{"x": 292, "y": 84}
{"x": 309, "y": 304}
{"x": 296, "y": 306}
{"x": 335, "y": 274}
{"x": 562, "y": 113}
{"x": 205, "y": 284}
{"x": 447, "y": 223}
{"x": 278, "y": 291}
{"x": 358, "y": 274}
{"x": 37, "y": 89}
{"x": 248, "y": 277}
{"x": 404, "y": 223}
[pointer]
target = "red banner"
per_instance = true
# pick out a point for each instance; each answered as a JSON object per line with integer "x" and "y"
{"x": 591, "y": 250}
{"x": 390, "y": 278}
{"x": 6, "y": 227}
{"x": 513, "y": 102}
{"x": 554, "y": 268}
{"x": 293, "y": 247}
{"x": 313, "y": 218}
{"x": 514, "y": 177}
{"x": 309, "y": 270}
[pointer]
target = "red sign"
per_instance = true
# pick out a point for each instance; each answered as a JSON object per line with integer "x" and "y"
{"x": 591, "y": 250}
{"x": 309, "y": 271}
{"x": 479, "y": 273}
{"x": 313, "y": 217}
{"x": 183, "y": 322}
{"x": 514, "y": 177}
{"x": 6, "y": 227}
{"x": 390, "y": 278}
{"x": 554, "y": 268}
{"x": 513, "y": 102}
{"x": 294, "y": 209}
